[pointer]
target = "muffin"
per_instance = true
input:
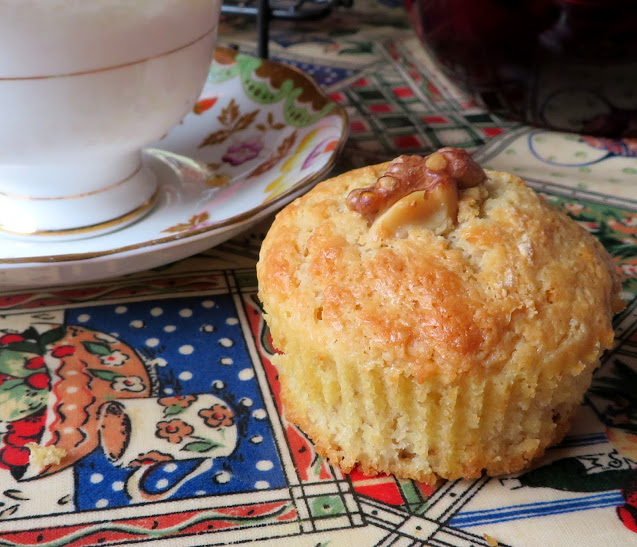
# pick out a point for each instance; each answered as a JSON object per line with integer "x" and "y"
{"x": 434, "y": 319}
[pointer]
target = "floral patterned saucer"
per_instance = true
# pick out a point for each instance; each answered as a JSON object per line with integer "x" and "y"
{"x": 261, "y": 134}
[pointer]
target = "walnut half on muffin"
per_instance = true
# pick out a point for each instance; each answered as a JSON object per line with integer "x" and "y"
{"x": 435, "y": 319}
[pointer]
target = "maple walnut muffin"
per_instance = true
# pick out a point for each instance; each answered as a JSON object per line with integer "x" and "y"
{"x": 434, "y": 319}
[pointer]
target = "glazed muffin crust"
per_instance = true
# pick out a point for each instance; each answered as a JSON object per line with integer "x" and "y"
{"x": 435, "y": 351}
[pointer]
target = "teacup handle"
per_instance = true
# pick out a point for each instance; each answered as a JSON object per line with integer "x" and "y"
{"x": 135, "y": 482}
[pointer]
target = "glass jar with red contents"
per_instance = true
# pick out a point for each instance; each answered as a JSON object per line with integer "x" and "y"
{"x": 564, "y": 64}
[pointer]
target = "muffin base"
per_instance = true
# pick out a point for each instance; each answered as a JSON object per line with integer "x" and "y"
{"x": 388, "y": 423}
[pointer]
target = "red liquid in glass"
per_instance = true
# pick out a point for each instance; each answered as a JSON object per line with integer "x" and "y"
{"x": 564, "y": 64}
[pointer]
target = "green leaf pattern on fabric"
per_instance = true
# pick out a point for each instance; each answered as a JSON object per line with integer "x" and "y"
{"x": 12, "y": 363}
{"x": 97, "y": 348}
{"x": 173, "y": 410}
{"x": 52, "y": 335}
{"x": 201, "y": 446}
{"x": 17, "y": 400}
{"x": 107, "y": 375}
{"x": 26, "y": 346}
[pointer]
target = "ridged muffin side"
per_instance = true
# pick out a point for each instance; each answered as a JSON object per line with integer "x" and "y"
{"x": 443, "y": 352}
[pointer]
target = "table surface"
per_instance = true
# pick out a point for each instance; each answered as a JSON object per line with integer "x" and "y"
{"x": 162, "y": 349}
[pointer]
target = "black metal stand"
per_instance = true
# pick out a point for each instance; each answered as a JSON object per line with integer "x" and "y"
{"x": 291, "y": 10}
{"x": 263, "y": 28}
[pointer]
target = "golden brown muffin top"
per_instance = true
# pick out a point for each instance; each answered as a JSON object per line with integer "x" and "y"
{"x": 472, "y": 278}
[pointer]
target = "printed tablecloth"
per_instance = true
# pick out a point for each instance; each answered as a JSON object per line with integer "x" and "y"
{"x": 160, "y": 389}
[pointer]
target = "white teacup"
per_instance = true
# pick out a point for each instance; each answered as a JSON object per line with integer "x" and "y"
{"x": 84, "y": 85}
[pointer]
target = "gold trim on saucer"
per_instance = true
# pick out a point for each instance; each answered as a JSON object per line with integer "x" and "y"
{"x": 137, "y": 212}
{"x": 75, "y": 196}
{"x": 108, "y": 68}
